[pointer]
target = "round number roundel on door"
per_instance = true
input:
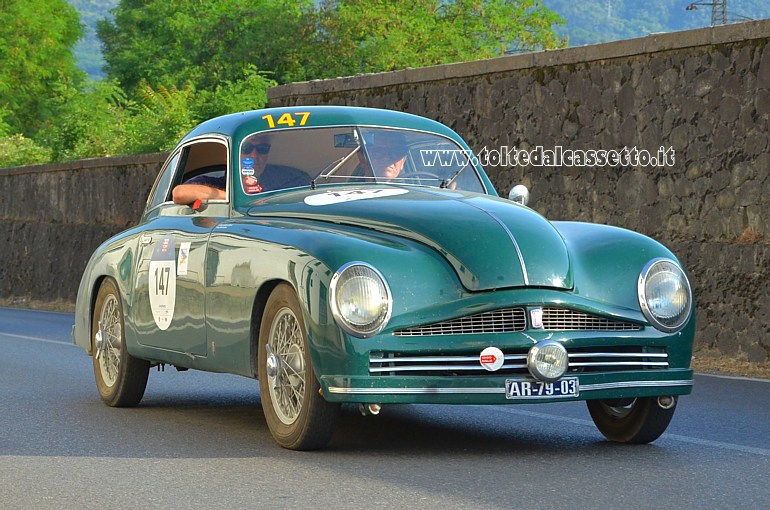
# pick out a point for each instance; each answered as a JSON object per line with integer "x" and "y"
{"x": 162, "y": 283}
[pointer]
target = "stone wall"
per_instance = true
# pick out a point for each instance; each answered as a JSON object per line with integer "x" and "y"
{"x": 705, "y": 94}
{"x": 52, "y": 217}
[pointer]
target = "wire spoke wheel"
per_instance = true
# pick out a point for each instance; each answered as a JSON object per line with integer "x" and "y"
{"x": 298, "y": 416}
{"x": 120, "y": 378}
{"x": 109, "y": 339}
{"x": 287, "y": 383}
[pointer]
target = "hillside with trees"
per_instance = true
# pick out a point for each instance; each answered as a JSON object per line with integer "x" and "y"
{"x": 165, "y": 66}
{"x": 587, "y": 22}
{"x": 170, "y": 65}
{"x": 597, "y": 21}
{"x": 88, "y": 50}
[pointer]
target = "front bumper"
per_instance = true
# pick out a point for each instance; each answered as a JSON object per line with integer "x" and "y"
{"x": 491, "y": 389}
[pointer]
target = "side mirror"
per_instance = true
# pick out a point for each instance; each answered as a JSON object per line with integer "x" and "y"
{"x": 519, "y": 194}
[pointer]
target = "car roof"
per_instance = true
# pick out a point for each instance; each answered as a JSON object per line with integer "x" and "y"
{"x": 238, "y": 125}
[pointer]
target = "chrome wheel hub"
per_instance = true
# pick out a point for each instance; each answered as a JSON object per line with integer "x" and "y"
{"x": 272, "y": 363}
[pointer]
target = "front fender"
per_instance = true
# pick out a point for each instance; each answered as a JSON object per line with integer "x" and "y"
{"x": 607, "y": 261}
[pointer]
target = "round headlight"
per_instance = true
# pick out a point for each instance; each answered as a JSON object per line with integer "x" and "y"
{"x": 360, "y": 299}
{"x": 665, "y": 295}
{"x": 547, "y": 360}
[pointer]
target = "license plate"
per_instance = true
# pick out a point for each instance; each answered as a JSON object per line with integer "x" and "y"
{"x": 529, "y": 388}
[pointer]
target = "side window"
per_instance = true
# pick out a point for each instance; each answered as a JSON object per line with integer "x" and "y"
{"x": 161, "y": 189}
{"x": 204, "y": 162}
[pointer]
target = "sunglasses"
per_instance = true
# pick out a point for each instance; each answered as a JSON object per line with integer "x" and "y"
{"x": 261, "y": 148}
{"x": 390, "y": 153}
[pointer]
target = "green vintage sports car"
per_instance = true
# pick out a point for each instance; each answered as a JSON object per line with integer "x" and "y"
{"x": 362, "y": 256}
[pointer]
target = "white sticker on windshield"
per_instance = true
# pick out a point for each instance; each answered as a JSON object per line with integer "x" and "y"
{"x": 337, "y": 197}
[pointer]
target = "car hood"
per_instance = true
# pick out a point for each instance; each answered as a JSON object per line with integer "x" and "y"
{"x": 491, "y": 243}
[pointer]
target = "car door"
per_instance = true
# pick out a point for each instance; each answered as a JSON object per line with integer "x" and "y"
{"x": 169, "y": 300}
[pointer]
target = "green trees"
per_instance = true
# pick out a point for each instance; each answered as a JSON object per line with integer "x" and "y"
{"x": 170, "y": 65}
{"x": 35, "y": 60}
{"x": 202, "y": 43}
{"x": 363, "y": 36}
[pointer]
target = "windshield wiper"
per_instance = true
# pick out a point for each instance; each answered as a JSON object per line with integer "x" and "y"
{"x": 446, "y": 184}
{"x": 334, "y": 165}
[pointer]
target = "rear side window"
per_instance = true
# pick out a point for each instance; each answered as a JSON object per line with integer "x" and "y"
{"x": 161, "y": 189}
{"x": 203, "y": 161}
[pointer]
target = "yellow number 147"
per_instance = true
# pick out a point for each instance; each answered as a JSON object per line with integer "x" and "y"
{"x": 287, "y": 119}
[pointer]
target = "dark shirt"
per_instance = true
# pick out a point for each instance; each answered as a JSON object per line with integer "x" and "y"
{"x": 273, "y": 177}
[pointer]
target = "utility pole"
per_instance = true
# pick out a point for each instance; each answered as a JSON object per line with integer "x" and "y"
{"x": 719, "y": 17}
{"x": 718, "y": 11}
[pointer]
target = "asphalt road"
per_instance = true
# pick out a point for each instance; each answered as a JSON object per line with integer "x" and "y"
{"x": 200, "y": 441}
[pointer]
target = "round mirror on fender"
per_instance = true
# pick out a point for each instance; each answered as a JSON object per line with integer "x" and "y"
{"x": 519, "y": 194}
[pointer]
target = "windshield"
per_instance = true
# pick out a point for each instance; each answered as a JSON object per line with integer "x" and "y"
{"x": 299, "y": 157}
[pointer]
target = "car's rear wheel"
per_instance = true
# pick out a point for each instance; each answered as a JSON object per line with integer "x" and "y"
{"x": 299, "y": 418}
{"x": 120, "y": 378}
{"x": 637, "y": 421}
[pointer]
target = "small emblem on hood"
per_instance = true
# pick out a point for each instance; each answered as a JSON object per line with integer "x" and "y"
{"x": 536, "y": 318}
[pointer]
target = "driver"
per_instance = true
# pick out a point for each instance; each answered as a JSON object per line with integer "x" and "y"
{"x": 387, "y": 153}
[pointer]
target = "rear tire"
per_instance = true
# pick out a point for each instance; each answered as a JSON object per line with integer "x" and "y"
{"x": 298, "y": 417}
{"x": 120, "y": 378}
{"x": 634, "y": 421}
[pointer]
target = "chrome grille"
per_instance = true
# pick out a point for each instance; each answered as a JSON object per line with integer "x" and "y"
{"x": 510, "y": 320}
{"x": 582, "y": 360}
{"x": 564, "y": 319}
{"x": 496, "y": 321}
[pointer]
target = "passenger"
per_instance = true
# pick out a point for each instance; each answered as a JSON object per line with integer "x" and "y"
{"x": 206, "y": 187}
{"x": 257, "y": 175}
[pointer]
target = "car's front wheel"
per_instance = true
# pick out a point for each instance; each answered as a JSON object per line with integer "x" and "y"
{"x": 299, "y": 418}
{"x": 120, "y": 378}
{"x": 637, "y": 421}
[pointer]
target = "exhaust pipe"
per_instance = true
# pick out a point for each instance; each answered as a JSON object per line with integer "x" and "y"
{"x": 369, "y": 409}
{"x": 666, "y": 402}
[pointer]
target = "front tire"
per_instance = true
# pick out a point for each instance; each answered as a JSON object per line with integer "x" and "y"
{"x": 120, "y": 378}
{"x": 635, "y": 421}
{"x": 298, "y": 417}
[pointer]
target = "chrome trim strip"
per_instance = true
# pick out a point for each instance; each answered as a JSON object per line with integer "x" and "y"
{"x": 620, "y": 364}
{"x": 507, "y": 230}
{"x": 429, "y": 359}
{"x": 464, "y": 391}
{"x": 632, "y": 384}
{"x": 618, "y": 355}
{"x": 441, "y": 368}
{"x": 515, "y": 245}
{"x": 408, "y": 391}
